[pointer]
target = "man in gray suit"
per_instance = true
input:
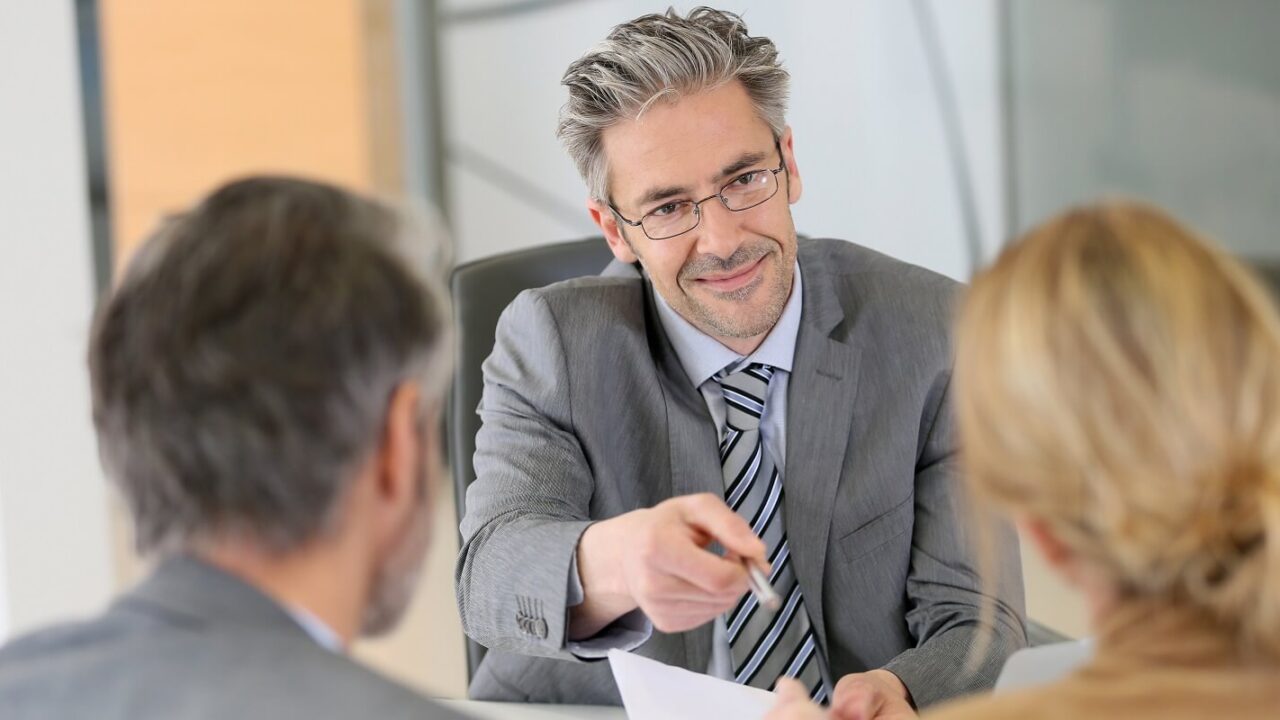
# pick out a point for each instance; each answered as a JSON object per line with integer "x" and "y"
{"x": 725, "y": 395}
{"x": 266, "y": 382}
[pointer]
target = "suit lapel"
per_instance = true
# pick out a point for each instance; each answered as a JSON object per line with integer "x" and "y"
{"x": 820, "y": 408}
{"x": 691, "y": 434}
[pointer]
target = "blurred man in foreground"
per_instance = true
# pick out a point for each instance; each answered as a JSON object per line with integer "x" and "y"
{"x": 266, "y": 380}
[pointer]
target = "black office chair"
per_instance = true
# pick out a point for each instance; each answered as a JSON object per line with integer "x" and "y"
{"x": 482, "y": 289}
{"x": 1269, "y": 271}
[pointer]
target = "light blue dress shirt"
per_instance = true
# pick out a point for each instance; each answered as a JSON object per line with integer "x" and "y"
{"x": 324, "y": 635}
{"x": 702, "y": 357}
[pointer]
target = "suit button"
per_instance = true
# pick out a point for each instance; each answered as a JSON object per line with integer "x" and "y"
{"x": 529, "y": 617}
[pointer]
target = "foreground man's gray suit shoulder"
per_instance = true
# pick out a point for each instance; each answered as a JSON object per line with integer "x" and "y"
{"x": 193, "y": 643}
{"x": 587, "y": 414}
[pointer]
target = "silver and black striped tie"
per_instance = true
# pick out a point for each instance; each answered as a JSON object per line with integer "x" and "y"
{"x": 765, "y": 646}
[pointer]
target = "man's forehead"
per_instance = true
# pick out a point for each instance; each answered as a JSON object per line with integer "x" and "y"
{"x": 687, "y": 140}
{"x": 641, "y": 167}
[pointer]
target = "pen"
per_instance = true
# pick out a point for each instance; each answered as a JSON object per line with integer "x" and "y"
{"x": 761, "y": 588}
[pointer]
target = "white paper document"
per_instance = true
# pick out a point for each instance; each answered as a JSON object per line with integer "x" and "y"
{"x": 654, "y": 691}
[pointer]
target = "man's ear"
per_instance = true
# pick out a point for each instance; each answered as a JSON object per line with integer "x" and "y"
{"x": 396, "y": 486}
{"x": 604, "y": 218}
{"x": 794, "y": 184}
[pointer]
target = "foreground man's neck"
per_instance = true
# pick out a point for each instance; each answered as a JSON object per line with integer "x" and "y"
{"x": 317, "y": 580}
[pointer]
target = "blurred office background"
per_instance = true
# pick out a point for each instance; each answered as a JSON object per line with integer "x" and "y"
{"x": 932, "y": 130}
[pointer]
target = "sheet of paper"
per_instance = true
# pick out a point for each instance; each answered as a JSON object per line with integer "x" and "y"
{"x": 654, "y": 691}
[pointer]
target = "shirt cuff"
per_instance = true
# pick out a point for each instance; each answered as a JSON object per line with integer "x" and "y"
{"x": 626, "y": 633}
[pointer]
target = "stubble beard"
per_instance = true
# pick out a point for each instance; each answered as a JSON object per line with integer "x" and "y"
{"x": 396, "y": 580}
{"x": 705, "y": 317}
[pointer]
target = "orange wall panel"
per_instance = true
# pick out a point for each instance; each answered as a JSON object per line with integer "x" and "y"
{"x": 198, "y": 91}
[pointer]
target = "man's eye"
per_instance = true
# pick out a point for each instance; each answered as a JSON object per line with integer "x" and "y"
{"x": 664, "y": 210}
{"x": 747, "y": 178}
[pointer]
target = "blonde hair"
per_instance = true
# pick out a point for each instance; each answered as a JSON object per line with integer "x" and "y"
{"x": 1118, "y": 379}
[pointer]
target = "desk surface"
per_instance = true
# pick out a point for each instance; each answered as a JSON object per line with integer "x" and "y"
{"x": 527, "y": 711}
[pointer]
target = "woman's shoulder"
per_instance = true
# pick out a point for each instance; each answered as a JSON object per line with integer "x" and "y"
{"x": 1164, "y": 693}
{"x": 1038, "y": 703}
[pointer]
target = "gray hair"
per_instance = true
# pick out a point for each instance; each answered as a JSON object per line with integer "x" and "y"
{"x": 662, "y": 56}
{"x": 241, "y": 370}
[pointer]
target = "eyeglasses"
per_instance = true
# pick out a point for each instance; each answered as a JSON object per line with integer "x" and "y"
{"x": 677, "y": 218}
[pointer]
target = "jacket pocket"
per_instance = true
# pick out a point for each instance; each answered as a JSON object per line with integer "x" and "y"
{"x": 875, "y": 533}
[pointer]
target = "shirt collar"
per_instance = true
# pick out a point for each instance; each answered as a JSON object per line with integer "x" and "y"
{"x": 324, "y": 635}
{"x": 703, "y": 356}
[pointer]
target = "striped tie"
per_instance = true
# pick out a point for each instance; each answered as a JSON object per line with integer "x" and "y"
{"x": 765, "y": 646}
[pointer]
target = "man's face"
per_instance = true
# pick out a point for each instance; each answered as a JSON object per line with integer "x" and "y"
{"x": 396, "y": 579}
{"x": 732, "y": 274}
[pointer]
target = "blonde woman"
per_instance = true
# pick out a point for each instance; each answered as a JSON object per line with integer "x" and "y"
{"x": 1118, "y": 392}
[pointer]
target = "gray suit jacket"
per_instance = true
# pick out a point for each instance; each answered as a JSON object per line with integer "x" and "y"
{"x": 193, "y": 643}
{"x": 587, "y": 414}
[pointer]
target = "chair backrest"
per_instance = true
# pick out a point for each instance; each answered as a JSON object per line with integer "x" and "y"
{"x": 1269, "y": 271}
{"x": 482, "y": 289}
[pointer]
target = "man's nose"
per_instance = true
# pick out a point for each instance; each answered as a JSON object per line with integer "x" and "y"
{"x": 717, "y": 229}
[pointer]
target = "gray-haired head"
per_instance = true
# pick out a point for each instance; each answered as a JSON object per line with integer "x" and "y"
{"x": 657, "y": 57}
{"x": 242, "y": 369}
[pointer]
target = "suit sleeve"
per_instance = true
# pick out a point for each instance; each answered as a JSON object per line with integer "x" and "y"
{"x": 531, "y": 497}
{"x": 945, "y": 591}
